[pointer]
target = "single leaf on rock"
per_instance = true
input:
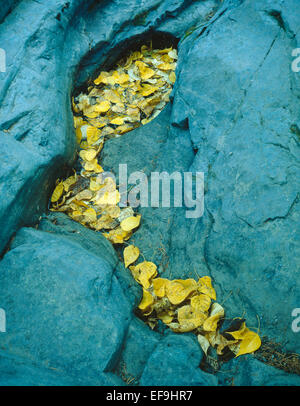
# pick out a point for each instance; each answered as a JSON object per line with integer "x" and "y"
{"x": 204, "y": 343}
{"x": 131, "y": 254}
{"x": 130, "y": 223}
{"x": 250, "y": 343}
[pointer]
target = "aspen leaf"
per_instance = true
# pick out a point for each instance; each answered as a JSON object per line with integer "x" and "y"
{"x": 250, "y": 343}
{"x": 69, "y": 182}
{"x": 204, "y": 343}
{"x": 88, "y": 155}
{"x": 181, "y": 328}
{"x": 187, "y": 314}
{"x": 145, "y": 71}
{"x": 166, "y": 316}
{"x": 144, "y": 272}
{"x": 201, "y": 302}
{"x": 130, "y": 223}
{"x": 205, "y": 287}
{"x": 58, "y": 191}
{"x": 102, "y": 107}
{"x": 178, "y": 290}
{"x": 211, "y": 323}
{"x": 147, "y": 300}
{"x": 90, "y": 215}
{"x": 131, "y": 254}
{"x": 159, "y": 286}
{"x": 117, "y": 121}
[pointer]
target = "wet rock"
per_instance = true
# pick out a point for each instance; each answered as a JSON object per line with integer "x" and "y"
{"x": 65, "y": 308}
{"x": 96, "y": 244}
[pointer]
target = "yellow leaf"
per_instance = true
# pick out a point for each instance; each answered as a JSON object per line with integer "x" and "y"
{"x": 250, "y": 343}
{"x": 90, "y": 215}
{"x": 130, "y": 223}
{"x": 205, "y": 287}
{"x": 188, "y": 314}
{"x": 159, "y": 286}
{"x": 102, "y": 107}
{"x": 201, "y": 302}
{"x": 85, "y": 194}
{"x": 146, "y": 89}
{"x": 117, "y": 121}
{"x": 109, "y": 198}
{"x": 120, "y": 78}
{"x": 58, "y": 191}
{"x": 166, "y": 66}
{"x": 88, "y": 155}
{"x": 112, "y": 96}
{"x": 182, "y": 328}
{"x": 172, "y": 77}
{"x": 93, "y": 166}
{"x": 78, "y": 135}
{"x": 105, "y": 222}
{"x": 147, "y": 300}
{"x": 204, "y": 343}
{"x": 113, "y": 211}
{"x": 144, "y": 272}
{"x": 95, "y": 186}
{"x": 145, "y": 71}
{"x": 131, "y": 254}
{"x": 117, "y": 236}
{"x": 101, "y": 77}
{"x": 239, "y": 334}
{"x": 178, "y": 290}
{"x": 166, "y": 316}
{"x": 211, "y": 323}
{"x": 92, "y": 135}
{"x": 69, "y": 182}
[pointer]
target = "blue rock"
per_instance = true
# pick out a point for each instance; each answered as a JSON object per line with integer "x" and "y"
{"x": 248, "y": 371}
{"x": 234, "y": 115}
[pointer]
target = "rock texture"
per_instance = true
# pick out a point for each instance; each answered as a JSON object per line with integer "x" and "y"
{"x": 234, "y": 115}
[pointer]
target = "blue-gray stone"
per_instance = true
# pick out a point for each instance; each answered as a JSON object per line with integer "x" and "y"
{"x": 65, "y": 309}
{"x": 248, "y": 371}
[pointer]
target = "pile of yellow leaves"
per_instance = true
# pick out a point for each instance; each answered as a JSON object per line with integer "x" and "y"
{"x": 187, "y": 306}
{"x": 117, "y": 102}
